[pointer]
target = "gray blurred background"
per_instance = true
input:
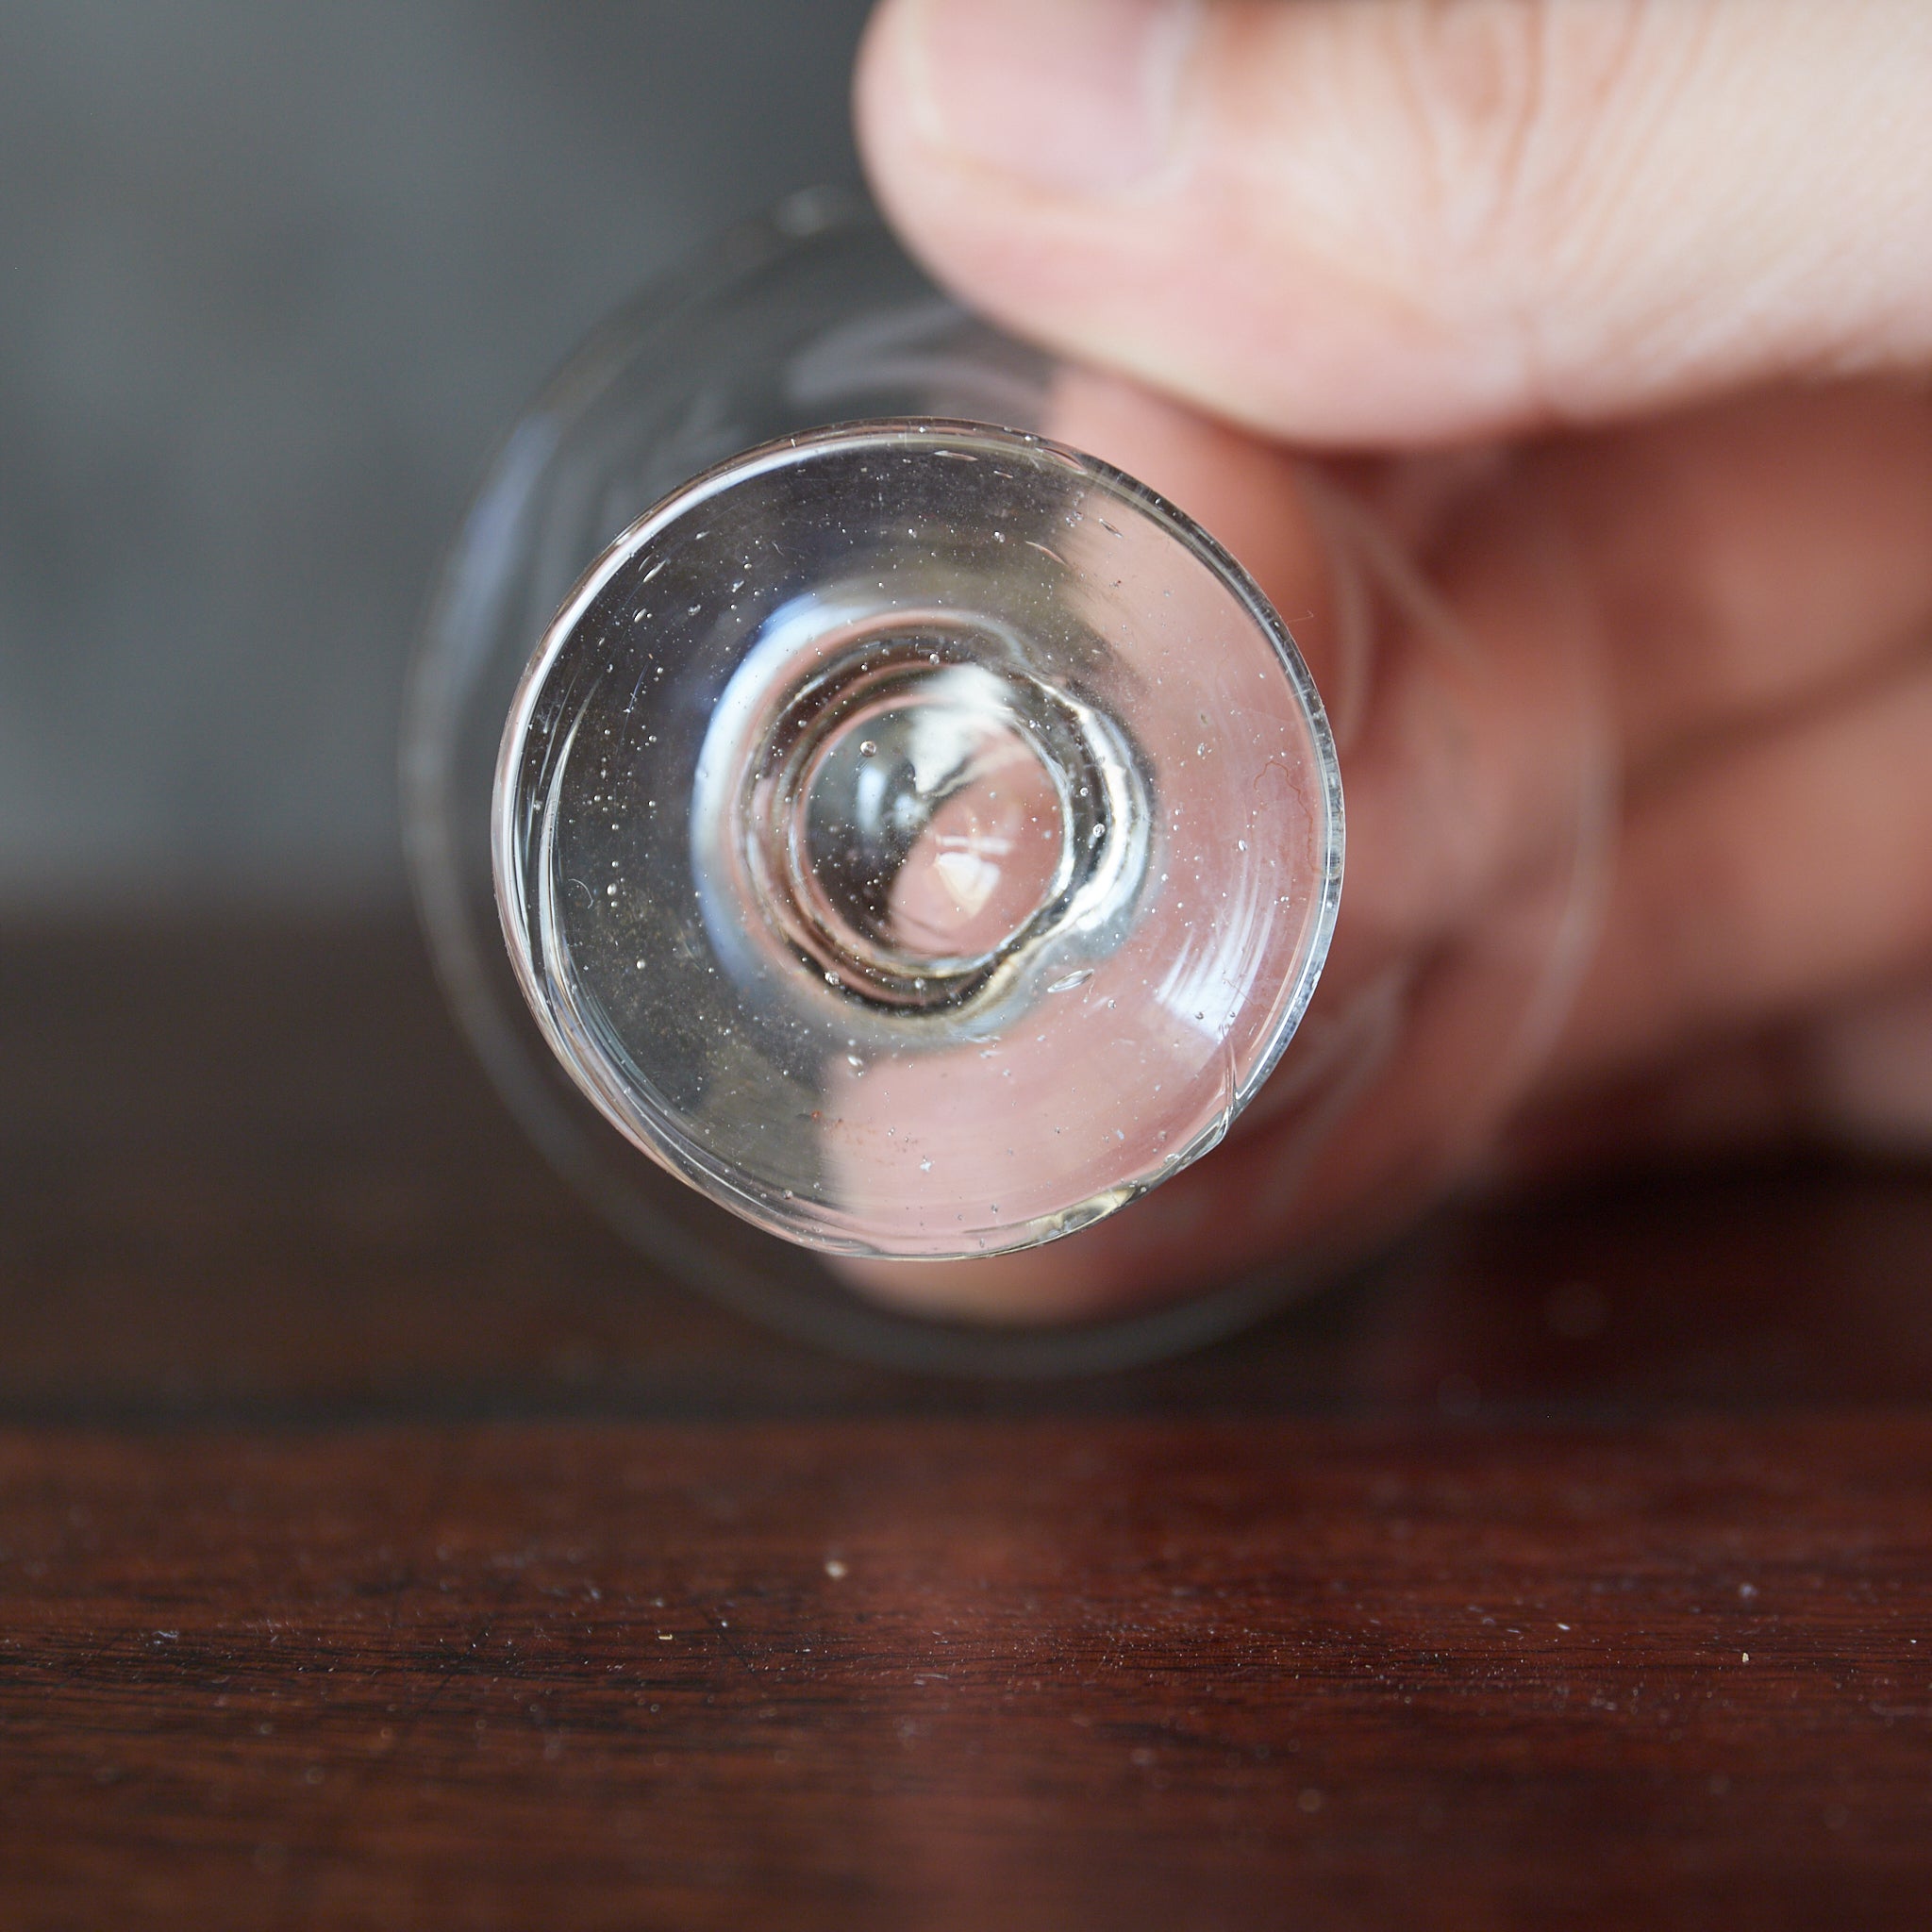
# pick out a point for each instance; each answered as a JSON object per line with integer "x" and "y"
{"x": 272, "y": 282}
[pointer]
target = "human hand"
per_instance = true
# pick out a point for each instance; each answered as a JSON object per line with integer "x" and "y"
{"x": 1618, "y": 320}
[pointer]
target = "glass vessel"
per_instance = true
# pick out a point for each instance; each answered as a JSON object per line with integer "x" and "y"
{"x": 852, "y": 823}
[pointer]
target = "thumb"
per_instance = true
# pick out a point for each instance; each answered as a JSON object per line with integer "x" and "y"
{"x": 1391, "y": 221}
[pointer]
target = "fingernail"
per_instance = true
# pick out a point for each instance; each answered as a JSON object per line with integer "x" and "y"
{"x": 1076, "y": 96}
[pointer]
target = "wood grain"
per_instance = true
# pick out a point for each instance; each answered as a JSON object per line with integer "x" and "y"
{"x": 381, "y": 1546}
{"x": 974, "y": 1674}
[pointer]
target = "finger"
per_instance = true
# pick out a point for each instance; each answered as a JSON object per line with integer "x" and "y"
{"x": 1746, "y": 556}
{"x": 1782, "y": 874}
{"x": 1380, "y": 221}
{"x": 1855, "y": 1077}
{"x": 1467, "y": 776}
{"x": 1386, "y": 1094}
{"x": 1779, "y": 873}
{"x": 1739, "y": 1095}
{"x": 1857, "y": 1073}
{"x": 1254, "y": 497}
{"x": 1454, "y": 698}
{"x": 1249, "y": 495}
{"x": 1868, "y": 1070}
{"x": 1751, "y": 556}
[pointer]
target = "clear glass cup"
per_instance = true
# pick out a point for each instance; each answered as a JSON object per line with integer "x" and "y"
{"x": 852, "y": 821}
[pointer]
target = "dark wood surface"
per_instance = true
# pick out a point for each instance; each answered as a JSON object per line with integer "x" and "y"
{"x": 381, "y": 1545}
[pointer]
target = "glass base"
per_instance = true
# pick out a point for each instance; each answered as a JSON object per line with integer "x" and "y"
{"x": 898, "y": 814}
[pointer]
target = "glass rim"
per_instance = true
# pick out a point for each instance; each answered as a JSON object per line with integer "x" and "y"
{"x": 675, "y": 1151}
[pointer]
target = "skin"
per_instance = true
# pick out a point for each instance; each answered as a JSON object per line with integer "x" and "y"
{"x": 1616, "y": 320}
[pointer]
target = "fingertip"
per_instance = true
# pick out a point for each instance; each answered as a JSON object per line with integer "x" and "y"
{"x": 943, "y": 157}
{"x": 1105, "y": 177}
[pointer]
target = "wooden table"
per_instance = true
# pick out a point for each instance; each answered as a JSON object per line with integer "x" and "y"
{"x": 379, "y": 1545}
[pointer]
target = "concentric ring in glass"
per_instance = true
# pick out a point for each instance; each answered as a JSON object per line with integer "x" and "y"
{"x": 919, "y": 836}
